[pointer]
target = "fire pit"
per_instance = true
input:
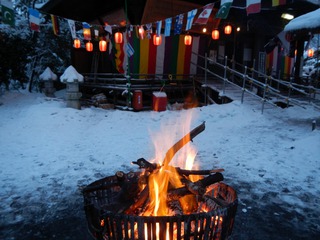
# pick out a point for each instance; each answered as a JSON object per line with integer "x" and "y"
{"x": 191, "y": 204}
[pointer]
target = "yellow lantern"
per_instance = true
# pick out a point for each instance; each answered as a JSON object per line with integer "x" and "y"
{"x": 310, "y": 52}
{"x": 157, "y": 40}
{"x": 103, "y": 45}
{"x": 228, "y": 29}
{"x": 215, "y": 34}
{"x": 187, "y": 40}
{"x": 76, "y": 43}
{"x": 118, "y": 37}
{"x": 89, "y": 46}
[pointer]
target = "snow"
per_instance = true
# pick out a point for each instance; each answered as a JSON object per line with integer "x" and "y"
{"x": 309, "y": 20}
{"x": 160, "y": 94}
{"x": 48, "y": 75}
{"x": 48, "y": 152}
{"x": 71, "y": 75}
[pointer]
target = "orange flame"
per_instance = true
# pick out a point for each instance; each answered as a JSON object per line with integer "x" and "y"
{"x": 167, "y": 176}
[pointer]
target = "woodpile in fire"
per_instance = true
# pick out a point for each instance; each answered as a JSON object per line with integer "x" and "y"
{"x": 116, "y": 205}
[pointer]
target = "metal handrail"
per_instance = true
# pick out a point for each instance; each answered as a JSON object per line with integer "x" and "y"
{"x": 253, "y": 81}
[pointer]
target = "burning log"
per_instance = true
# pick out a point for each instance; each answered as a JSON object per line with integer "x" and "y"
{"x": 197, "y": 172}
{"x": 212, "y": 203}
{"x": 174, "y": 208}
{"x": 183, "y": 141}
{"x": 143, "y": 163}
{"x": 217, "y": 200}
{"x": 197, "y": 188}
{"x": 150, "y": 167}
{"x": 140, "y": 201}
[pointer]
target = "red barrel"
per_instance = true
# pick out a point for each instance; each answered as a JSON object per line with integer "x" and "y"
{"x": 137, "y": 100}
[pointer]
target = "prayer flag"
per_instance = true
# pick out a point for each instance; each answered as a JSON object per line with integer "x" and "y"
{"x": 278, "y": 2}
{"x": 130, "y": 50}
{"x": 205, "y": 14}
{"x": 149, "y": 30}
{"x": 167, "y": 28}
{"x": 224, "y": 9}
{"x": 108, "y": 29}
{"x": 7, "y": 12}
{"x": 55, "y": 24}
{"x": 178, "y": 24}
{"x": 34, "y": 19}
{"x": 158, "y": 29}
{"x": 190, "y": 17}
{"x": 253, "y": 6}
{"x": 72, "y": 27}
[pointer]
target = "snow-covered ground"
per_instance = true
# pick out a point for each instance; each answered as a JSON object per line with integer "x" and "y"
{"x": 48, "y": 152}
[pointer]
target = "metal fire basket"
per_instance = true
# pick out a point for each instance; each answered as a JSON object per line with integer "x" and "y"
{"x": 101, "y": 204}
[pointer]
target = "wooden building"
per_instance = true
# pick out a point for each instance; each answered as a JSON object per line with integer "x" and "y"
{"x": 174, "y": 59}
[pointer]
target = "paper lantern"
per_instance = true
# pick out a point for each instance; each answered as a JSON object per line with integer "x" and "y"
{"x": 228, "y": 29}
{"x": 157, "y": 40}
{"x": 187, "y": 40}
{"x": 103, "y": 45}
{"x": 89, "y": 46}
{"x": 310, "y": 52}
{"x": 118, "y": 37}
{"x": 76, "y": 43}
{"x": 215, "y": 34}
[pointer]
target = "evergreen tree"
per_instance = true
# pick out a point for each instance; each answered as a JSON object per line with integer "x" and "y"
{"x": 25, "y": 54}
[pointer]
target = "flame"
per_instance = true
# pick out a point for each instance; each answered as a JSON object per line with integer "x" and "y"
{"x": 162, "y": 179}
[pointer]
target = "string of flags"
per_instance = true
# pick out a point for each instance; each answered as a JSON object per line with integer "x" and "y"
{"x": 252, "y": 6}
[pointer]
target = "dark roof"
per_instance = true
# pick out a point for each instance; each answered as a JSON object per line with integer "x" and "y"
{"x": 96, "y": 11}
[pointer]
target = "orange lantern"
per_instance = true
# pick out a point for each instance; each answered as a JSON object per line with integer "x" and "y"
{"x": 118, "y": 37}
{"x": 310, "y": 52}
{"x": 215, "y": 34}
{"x": 76, "y": 43}
{"x": 89, "y": 46}
{"x": 103, "y": 45}
{"x": 157, "y": 40}
{"x": 228, "y": 29}
{"x": 187, "y": 40}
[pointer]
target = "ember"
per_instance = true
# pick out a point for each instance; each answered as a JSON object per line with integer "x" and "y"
{"x": 161, "y": 202}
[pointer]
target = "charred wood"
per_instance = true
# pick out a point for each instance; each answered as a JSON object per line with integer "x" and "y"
{"x": 143, "y": 163}
{"x": 139, "y": 202}
{"x": 197, "y": 172}
{"x": 174, "y": 208}
{"x": 197, "y": 188}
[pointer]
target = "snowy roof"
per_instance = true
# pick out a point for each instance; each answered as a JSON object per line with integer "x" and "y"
{"x": 48, "y": 75}
{"x": 71, "y": 75}
{"x": 308, "y": 21}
